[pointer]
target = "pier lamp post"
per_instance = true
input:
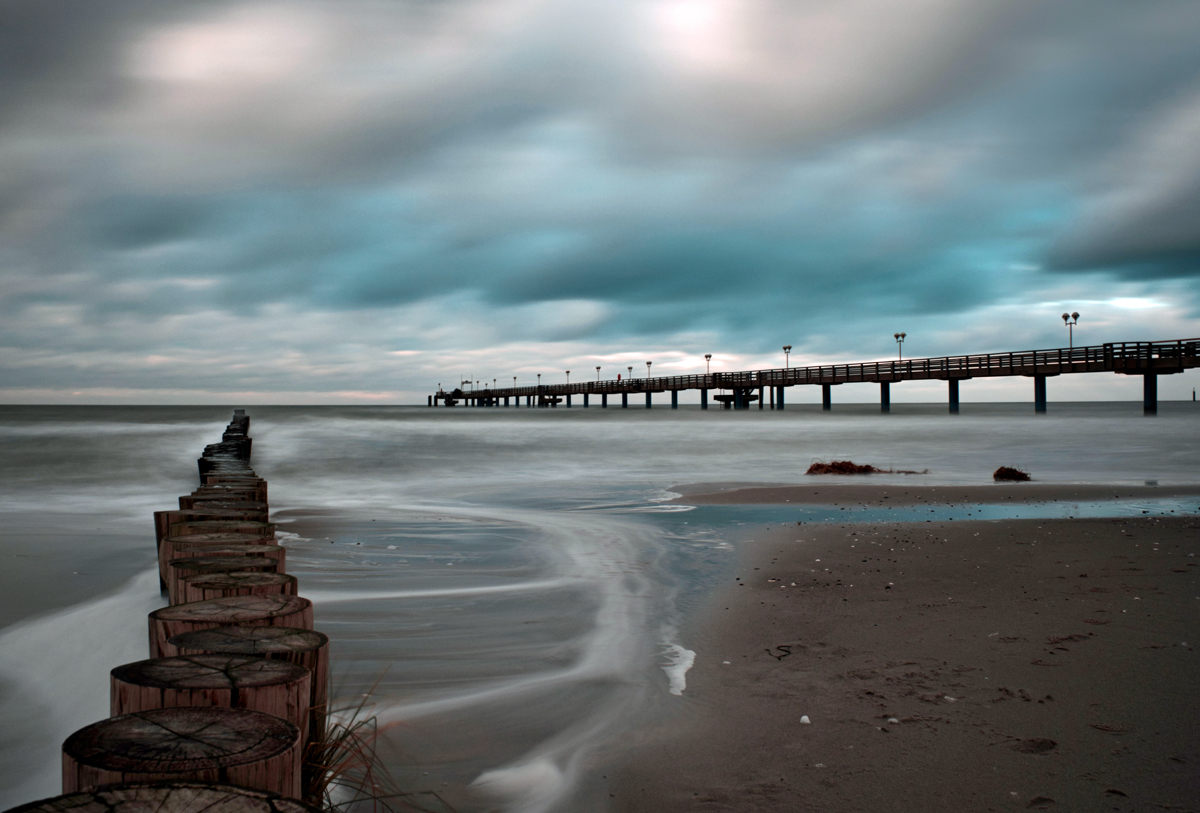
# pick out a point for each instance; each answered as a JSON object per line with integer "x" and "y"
{"x": 539, "y": 379}
{"x": 1070, "y": 320}
{"x": 787, "y": 352}
{"x": 597, "y": 375}
{"x": 707, "y": 359}
{"x": 648, "y": 369}
{"x": 568, "y": 378}
{"x": 514, "y": 382}
{"x": 899, "y": 337}
{"x": 630, "y": 370}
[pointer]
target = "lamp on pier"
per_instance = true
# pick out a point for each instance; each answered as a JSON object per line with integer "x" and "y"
{"x": 707, "y": 359}
{"x": 630, "y": 369}
{"x": 539, "y": 375}
{"x": 597, "y": 375}
{"x": 899, "y": 337}
{"x": 514, "y": 382}
{"x": 568, "y": 378}
{"x": 648, "y": 369}
{"x": 1070, "y": 320}
{"x": 787, "y": 352}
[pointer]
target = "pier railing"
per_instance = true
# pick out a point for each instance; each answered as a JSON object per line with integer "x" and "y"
{"x": 1134, "y": 358}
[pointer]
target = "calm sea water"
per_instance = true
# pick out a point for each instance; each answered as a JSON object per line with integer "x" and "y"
{"x": 507, "y": 585}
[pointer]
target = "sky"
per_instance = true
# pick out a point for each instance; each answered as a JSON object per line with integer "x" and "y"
{"x": 222, "y": 201}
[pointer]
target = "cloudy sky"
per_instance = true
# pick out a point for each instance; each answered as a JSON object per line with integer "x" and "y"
{"x": 326, "y": 202}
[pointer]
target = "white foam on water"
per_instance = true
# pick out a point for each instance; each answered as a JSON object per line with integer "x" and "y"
{"x": 530, "y": 786}
{"x": 323, "y": 596}
{"x": 679, "y": 661}
{"x": 56, "y": 668}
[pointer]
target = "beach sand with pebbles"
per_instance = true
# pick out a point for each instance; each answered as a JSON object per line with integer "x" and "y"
{"x": 942, "y": 666}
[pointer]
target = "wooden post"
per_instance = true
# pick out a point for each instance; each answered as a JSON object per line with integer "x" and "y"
{"x": 168, "y": 797}
{"x": 703, "y": 398}
{"x": 206, "y": 586}
{"x": 166, "y": 551}
{"x": 826, "y": 397}
{"x": 953, "y": 387}
{"x": 221, "y": 527}
{"x": 255, "y": 611}
{"x": 276, "y": 552}
{"x": 180, "y": 569}
{"x": 1150, "y": 394}
{"x": 241, "y": 747}
{"x": 1039, "y": 394}
{"x": 306, "y": 648}
{"x": 674, "y": 399}
{"x": 779, "y": 398}
{"x": 225, "y": 681}
{"x": 885, "y": 396}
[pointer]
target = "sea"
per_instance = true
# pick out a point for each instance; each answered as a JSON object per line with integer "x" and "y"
{"x": 511, "y": 593}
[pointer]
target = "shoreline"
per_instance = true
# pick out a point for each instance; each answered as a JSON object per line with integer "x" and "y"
{"x": 946, "y": 666}
{"x": 832, "y": 489}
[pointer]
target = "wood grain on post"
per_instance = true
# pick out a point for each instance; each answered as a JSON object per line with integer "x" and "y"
{"x": 169, "y": 545}
{"x": 270, "y": 551}
{"x": 180, "y": 569}
{"x": 221, "y": 526}
{"x": 255, "y": 611}
{"x": 208, "y": 586}
{"x": 163, "y": 520}
{"x": 237, "y": 746}
{"x": 303, "y": 647}
{"x": 170, "y": 797}
{"x": 226, "y": 681}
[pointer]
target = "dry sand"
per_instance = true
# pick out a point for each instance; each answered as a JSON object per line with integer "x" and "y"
{"x": 961, "y": 666}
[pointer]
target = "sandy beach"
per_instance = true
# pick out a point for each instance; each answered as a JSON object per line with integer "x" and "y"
{"x": 943, "y": 666}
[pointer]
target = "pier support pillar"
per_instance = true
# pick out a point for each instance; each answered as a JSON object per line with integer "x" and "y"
{"x": 826, "y": 397}
{"x": 604, "y": 400}
{"x": 772, "y": 397}
{"x": 674, "y": 399}
{"x": 430, "y": 401}
{"x": 568, "y": 400}
{"x": 624, "y": 400}
{"x": 1150, "y": 394}
{"x": 885, "y": 396}
{"x": 585, "y": 400}
{"x": 704, "y": 399}
{"x": 1039, "y": 394}
{"x": 647, "y": 399}
{"x": 506, "y": 400}
{"x": 761, "y": 393}
{"x": 953, "y": 387}
{"x": 779, "y": 397}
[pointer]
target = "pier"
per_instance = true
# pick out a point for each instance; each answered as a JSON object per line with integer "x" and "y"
{"x": 768, "y": 388}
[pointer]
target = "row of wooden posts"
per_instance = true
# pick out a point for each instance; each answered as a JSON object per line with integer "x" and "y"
{"x": 234, "y": 695}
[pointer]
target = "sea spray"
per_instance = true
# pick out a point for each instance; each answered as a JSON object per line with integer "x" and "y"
{"x": 57, "y": 667}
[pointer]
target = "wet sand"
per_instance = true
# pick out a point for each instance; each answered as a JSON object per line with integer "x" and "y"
{"x": 834, "y": 490}
{"x": 972, "y": 665}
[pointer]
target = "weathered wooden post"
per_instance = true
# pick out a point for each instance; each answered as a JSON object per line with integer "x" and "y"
{"x": 254, "y": 610}
{"x": 208, "y": 586}
{"x": 238, "y": 746}
{"x": 180, "y": 569}
{"x": 307, "y": 648}
{"x": 168, "y": 797}
{"x": 885, "y": 396}
{"x": 226, "y": 681}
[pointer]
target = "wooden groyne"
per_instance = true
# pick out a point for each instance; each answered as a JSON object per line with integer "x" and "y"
{"x": 235, "y": 690}
{"x": 741, "y": 389}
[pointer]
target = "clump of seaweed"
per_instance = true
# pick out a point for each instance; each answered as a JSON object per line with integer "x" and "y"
{"x": 1011, "y": 475}
{"x": 344, "y": 772}
{"x": 841, "y": 467}
{"x": 849, "y": 467}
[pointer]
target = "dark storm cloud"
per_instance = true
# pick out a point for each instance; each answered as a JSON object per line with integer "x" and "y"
{"x": 584, "y": 169}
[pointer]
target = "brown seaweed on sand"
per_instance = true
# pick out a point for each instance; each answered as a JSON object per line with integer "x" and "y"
{"x": 841, "y": 467}
{"x": 1006, "y": 474}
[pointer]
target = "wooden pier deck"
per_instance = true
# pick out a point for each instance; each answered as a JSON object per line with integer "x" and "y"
{"x": 738, "y": 390}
